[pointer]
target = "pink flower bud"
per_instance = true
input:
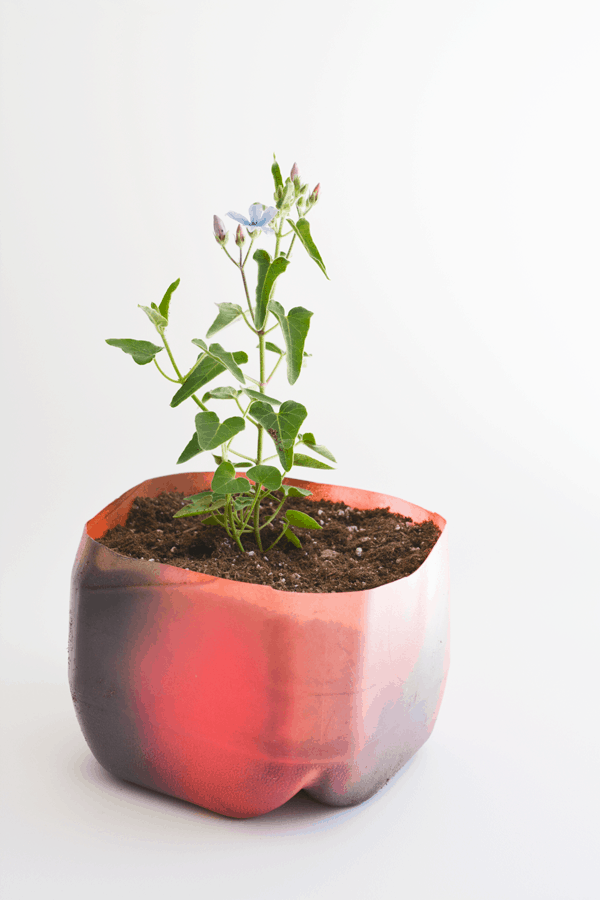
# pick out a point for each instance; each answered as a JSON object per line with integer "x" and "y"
{"x": 315, "y": 195}
{"x": 239, "y": 236}
{"x": 219, "y": 229}
{"x": 295, "y": 172}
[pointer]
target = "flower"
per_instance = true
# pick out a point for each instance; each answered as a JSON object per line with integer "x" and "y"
{"x": 258, "y": 218}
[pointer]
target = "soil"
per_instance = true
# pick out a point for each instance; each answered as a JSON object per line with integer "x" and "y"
{"x": 356, "y": 549}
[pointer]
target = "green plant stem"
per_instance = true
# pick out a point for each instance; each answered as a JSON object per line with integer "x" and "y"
{"x": 236, "y": 537}
{"x": 291, "y": 245}
{"x": 168, "y": 349}
{"x": 174, "y": 380}
{"x": 229, "y": 255}
{"x": 277, "y": 539}
{"x": 277, "y": 364}
{"x": 242, "y": 455}
{"x": 275, "y": 514}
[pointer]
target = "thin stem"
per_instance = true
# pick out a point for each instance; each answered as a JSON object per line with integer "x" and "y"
{"x": 168, "y": 349}
{"x": 291, "y": 245}
{"x": 174, "y": 380}
{"x": 277, "y": 364}
{"x": 277, "y": 539}
{"x": 230, "y": 256}
{"x": 241, "y": 455}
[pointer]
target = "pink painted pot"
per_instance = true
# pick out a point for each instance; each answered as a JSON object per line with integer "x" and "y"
{"x": 235, "y": 696}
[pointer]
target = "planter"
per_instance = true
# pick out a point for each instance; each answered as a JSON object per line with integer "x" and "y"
{"x": 235, "y": 696}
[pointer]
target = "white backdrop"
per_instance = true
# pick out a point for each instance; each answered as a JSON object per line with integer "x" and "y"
{"x": 455, "y": 364}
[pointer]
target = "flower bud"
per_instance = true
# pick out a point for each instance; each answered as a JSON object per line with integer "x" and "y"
{"x": 315, "y": 194}
{"x": 239, "y": 236}
{"x": 295, "y": 172}
{"x": 221, "y": 235}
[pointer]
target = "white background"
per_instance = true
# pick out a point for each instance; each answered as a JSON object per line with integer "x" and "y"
{"x": 455, "y": 364}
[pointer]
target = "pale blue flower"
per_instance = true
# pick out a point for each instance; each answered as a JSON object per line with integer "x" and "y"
{"x": 258, "y": 218}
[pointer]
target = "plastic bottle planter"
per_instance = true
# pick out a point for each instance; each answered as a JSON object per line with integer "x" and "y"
{"x": 235, "y": 696}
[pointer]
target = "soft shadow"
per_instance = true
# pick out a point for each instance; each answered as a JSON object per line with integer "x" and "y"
{"x": 300, "y": 814}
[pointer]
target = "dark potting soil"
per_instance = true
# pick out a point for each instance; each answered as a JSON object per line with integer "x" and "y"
{"x": 356, "y": 548}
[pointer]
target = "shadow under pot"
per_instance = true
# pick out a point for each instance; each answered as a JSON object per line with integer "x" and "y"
{"x": 235, "y": 696}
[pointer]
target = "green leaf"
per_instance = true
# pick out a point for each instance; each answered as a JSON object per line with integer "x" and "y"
{"x": 292, "y": 538}
{"x": 266, "y": 285}
{"x": 263, "y": 261}
{"x": 309, "y": 440}
{"x": 228, "y": 313}
{"x": 166, "y": 300}
{"x": 302, "y": 230}
{"x": 276, "y": 172}
{"x": 290, "y": 490}
{"x": 212, "y": 433}
{"x": 221, "y": 393}
{"x": 283, "y": 426}
{"x": 269, "y": 345}
{"x": 228, "y": 360}
{"x": 195, "y": 509}
{"x": 294, "y": 327}
{"x": 268, "y": 476}
{"x": 155, "y": 317}
{"x": 225, "y": 482}
{"x": 242, "y": 502}
{"x": 142, "y": 352}
{"x": 192, "y": 448}
{"x": 256, "y": 395}
{"x": 205, "y": 497}
{"x": 239, "y": 465}
{"x": 301, "y": 520}
{"x": 205, "y": 371}
{"x": 200, "y": 343}
{"x": 214, "y": 520}
{"x": 300, "y": 459}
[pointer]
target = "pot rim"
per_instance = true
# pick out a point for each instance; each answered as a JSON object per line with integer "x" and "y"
{"x": 98, "y": 525}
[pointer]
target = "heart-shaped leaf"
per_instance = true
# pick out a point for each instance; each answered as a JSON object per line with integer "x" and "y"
{"x": 166, "y": 300}
{"x": 221, "y": 393}
{"x": 205, "y": 371}
{"x": 212, "y": 433}
{"x": 228, "y": 313}
{"x": 302, "y": 230}
{"x": 256, "y": 395}
{"x": 155, "y": 317}
{"x": 225, "y": 482}
{"x": 300, "y": 459}
{"x": 283, "y": 426}
{"x": 294, "y": 327}
{"x": 309, "y": 440}
{"x": 142, "y": 352}
{"x": 290, "y": 490}
{"x": 268, "y": 476}
{"x": 301, "y": 520}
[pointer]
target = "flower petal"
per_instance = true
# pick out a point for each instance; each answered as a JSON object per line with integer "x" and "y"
{"x": 266, "y": 229}
{"x": 255, "y": 212}
{"x": 238, "y": 218}
{"x": 269, "y": 213}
